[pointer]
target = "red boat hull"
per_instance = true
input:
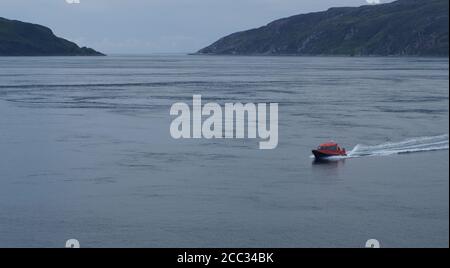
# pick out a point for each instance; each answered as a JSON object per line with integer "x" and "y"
{"x": 321, "y": 154}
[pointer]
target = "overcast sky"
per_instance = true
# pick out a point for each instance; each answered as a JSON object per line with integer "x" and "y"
{"x": 157, "y": 26}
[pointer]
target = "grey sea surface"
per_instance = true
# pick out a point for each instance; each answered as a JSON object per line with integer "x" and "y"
{"x": 86, "y": 153}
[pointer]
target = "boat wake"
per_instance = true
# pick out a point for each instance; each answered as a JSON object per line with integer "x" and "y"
{"x": 412, "y": 145}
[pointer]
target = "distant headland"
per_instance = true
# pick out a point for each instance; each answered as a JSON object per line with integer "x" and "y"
{"x": 26, "y": 39}
{"x": 400, "y": 28}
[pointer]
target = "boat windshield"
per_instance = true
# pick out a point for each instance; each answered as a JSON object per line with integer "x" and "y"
{"x": 329, "y": 148}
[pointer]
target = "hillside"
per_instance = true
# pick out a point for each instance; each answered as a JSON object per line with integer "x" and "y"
{"x": 404, "y": 27}
{"x": 25, "y": 39}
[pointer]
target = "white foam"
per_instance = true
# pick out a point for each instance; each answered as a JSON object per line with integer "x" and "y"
{"x": 419, "y": 144}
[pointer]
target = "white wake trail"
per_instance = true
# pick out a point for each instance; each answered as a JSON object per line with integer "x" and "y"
{"x": 419, "y": 144}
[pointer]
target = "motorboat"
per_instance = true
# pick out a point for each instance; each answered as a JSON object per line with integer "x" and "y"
{"x": 328, "y": 149}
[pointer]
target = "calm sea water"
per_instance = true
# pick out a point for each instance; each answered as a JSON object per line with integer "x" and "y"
{"x": 85, "y": 153}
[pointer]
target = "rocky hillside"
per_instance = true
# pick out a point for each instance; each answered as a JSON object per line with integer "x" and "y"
{"x": 404, "y": 27}
{"x": 25, "y": 39}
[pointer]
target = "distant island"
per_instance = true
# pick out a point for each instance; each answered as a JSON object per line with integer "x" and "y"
{"x": 400, "y": 28}
{"x": 25, "y": 39}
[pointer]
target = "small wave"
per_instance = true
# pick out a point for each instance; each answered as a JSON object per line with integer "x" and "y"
{"x": 413, "y": 145}
{"x": 101, "y": 85}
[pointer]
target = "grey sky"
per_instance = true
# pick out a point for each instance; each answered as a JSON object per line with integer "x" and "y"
{"x": 156, "y": 26}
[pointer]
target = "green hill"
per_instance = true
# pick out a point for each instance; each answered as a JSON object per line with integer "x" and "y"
{"x": 25, "y": 39}
{"x": 404, "y": 27}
